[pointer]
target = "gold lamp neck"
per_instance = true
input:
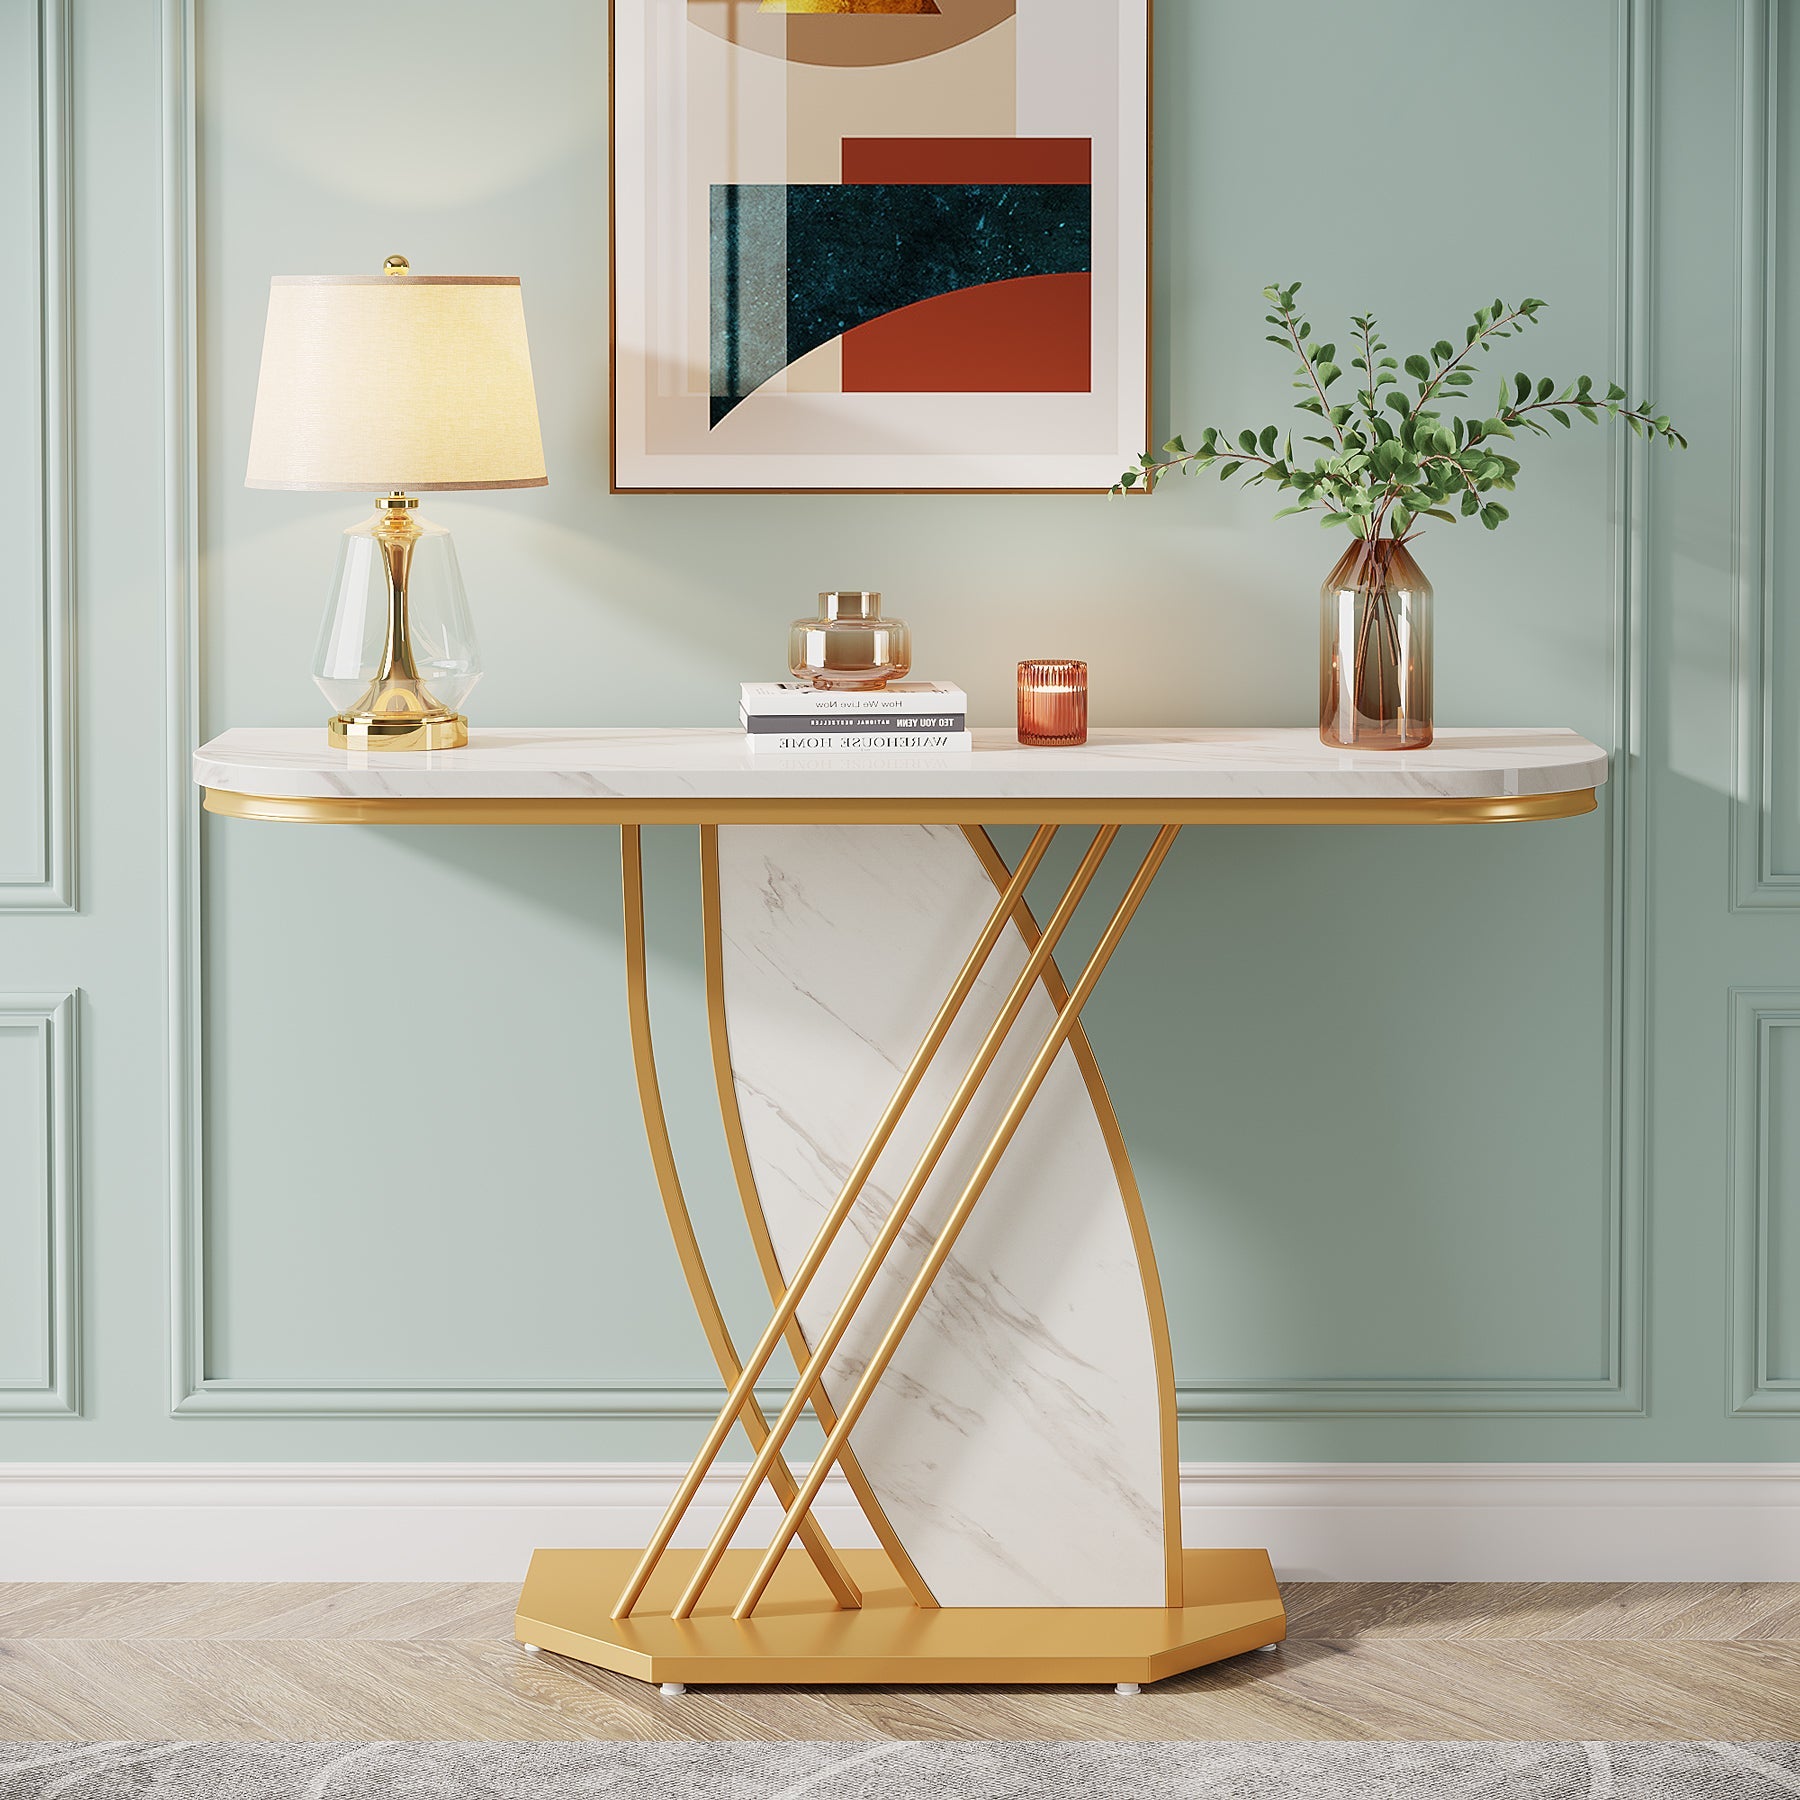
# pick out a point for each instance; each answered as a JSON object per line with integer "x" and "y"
{"x": 398, "y": 711}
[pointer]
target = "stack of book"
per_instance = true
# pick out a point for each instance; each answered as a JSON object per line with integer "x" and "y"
{"x": 909, "y": 716}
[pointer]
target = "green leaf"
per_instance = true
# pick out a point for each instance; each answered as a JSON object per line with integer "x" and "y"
{"x": 1546, "y": 388}
{"x": 1287, "y": 512}
{"x": 1399, "y": 519}
{"x": 1130, "y": 478}
{"x": 1443, "y": 350}
{"x": 1492, "y": 514}
{"x": 1418, "y": 368}
{"x": 1437, "y": 512}
{"x": 1470, "y": 505}
{"x": 1335, "y": 518}
{"x": 1561, "y": 417}
{"x": 1522, "y": 388}
{"x": 1227, "y": 470}
{"x": 1247, "y": 442}
{"x": 1175, "y": 447}
{"x": 1267, "y": 441}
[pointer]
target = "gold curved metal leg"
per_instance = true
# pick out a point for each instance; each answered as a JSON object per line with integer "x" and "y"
{"x": 891, "y": 1228}
{"x": 840, "y": 1211}
{"x": 987, "y": 853}
{"x": 746, "y": 1411}
{"x": 799, "y": 1509}
{"x": 719, "y": 1034}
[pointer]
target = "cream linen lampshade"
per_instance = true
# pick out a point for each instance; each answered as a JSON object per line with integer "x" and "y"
{"x": 388, "y": 383}
{"x": 381, "y": 382}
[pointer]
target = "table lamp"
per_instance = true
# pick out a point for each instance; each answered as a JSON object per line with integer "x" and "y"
{"x": 395, "y": 384}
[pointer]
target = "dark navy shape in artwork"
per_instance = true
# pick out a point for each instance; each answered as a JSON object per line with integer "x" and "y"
{"x": 795, "y": 266}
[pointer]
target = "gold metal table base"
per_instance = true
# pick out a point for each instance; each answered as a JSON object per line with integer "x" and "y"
{"x": 810, "y": 1613}
{"x": 797, "y": 1636}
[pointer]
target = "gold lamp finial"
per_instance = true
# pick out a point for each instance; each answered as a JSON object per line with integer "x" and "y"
{"x": 396, "y": 265}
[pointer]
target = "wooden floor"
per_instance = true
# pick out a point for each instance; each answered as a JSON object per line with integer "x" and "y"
{"x": 1363, "y": 1661}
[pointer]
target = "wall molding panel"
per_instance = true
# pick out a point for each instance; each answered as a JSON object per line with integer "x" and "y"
{"x": 1619, "y": 1386}
{"x": 1758, "y": 880}
{"x": 1759, "y": 1017}
{"x": 181, "y": 639}
{"x": 50, "y": 886}
{"x": 481, "y": 1521}
{"x": 55, "y": 1388}
{"x": 1615, "y": 1386}
{"x": 192, "y": 1390}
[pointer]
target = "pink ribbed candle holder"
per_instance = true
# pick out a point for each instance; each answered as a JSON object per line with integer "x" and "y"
{"x": 1052, "y": 703}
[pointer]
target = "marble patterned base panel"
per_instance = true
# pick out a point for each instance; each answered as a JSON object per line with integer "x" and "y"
{"x": 1016, "y": 1441}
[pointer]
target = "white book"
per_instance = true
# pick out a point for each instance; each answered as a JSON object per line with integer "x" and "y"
{"x": 860, "y": 743}
{"x": 801, "y": 697}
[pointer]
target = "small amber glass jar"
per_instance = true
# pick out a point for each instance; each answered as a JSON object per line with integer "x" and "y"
{"x": 1052, "y": 703}
{"x": 849, "y": 644}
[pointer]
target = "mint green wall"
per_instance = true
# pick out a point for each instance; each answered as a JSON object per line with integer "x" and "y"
{"x": 1455, "y": 1143}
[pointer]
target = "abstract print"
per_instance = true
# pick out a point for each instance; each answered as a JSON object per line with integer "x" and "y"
{"x": 879, "y": 243}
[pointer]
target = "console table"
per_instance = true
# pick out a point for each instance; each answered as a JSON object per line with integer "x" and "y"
{"x": 934, "y": 1183}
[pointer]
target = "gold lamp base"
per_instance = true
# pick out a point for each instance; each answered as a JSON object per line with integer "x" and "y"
{"x": 372, "y": 731}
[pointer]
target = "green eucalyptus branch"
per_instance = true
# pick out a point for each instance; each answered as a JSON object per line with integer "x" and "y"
{"x": 1393, "y": 459}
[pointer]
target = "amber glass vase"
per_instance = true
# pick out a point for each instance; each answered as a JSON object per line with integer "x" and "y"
{"x": 1375, "y": 650}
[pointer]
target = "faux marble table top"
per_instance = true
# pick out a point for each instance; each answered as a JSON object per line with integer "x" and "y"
{"x": 1176, "y": 762}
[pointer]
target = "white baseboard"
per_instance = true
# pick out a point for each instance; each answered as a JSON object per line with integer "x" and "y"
{"x": 480, "y": 1521}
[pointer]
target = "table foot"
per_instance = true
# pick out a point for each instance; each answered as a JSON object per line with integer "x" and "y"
{"x": 531, "y": 1649}
{"x": 673, "y": 1690}
{"x": 1125, "y": 1689}
{"x": 1264, "y": 1649}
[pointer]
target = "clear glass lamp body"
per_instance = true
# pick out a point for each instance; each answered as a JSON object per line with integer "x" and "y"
{"x": 354, "y": 633}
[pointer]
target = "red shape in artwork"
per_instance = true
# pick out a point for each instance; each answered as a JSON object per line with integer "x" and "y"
{"x": 912, "y": 160}
{"x": 1029, "y": 336}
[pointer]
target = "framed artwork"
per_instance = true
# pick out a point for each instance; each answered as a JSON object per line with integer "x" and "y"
{"x": 879, "y": 245}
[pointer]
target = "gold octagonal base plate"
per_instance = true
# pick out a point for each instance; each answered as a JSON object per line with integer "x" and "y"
{"x": 798, "y": 1637}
